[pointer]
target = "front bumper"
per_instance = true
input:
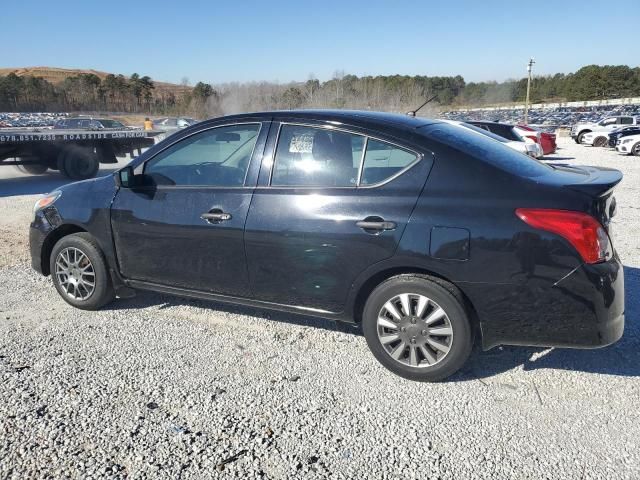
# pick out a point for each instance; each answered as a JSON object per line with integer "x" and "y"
{"x": 39, "y": 229}
{"x": 623, "y": 148}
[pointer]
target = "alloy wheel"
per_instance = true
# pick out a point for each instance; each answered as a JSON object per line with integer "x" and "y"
{"x": 414, "y": 330}
{"x": 75, "y": 273}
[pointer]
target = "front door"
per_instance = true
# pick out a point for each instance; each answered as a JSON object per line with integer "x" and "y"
{"x": 333, "y": 203}
{"x": 184, "y": 225}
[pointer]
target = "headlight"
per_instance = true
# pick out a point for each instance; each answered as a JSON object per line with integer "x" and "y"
{"x": 627, "y": 140}
{"x": 46, "y": 200}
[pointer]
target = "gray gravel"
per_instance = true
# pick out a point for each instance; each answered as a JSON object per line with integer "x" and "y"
{"x": 162, "y": 387}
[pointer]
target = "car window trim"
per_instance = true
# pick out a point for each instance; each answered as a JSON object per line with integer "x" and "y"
{"x": 244, "y": 181}
{"x": 419, "y": 156}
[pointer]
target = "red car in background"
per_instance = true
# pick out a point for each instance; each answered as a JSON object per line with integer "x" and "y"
{"x": 546, "y": 140}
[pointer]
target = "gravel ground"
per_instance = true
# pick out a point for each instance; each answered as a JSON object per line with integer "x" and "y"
{"x": 162, "y": 387}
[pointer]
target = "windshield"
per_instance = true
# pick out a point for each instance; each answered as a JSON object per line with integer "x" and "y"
{"x": 111, "y": 124}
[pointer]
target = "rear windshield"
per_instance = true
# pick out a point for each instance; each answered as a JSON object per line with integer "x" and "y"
{"x": 487, "y": 150}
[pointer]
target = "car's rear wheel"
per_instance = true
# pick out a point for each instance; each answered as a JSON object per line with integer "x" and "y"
{"x": 79, "y": 272}
{"x": 78, "y": 163}
{"x": 32, "y": 168}
{"x": 600, "y": 142}
{"x": 417, "y": 326}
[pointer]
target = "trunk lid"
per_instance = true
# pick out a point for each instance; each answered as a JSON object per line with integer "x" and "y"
{"x": 595, "y": 182}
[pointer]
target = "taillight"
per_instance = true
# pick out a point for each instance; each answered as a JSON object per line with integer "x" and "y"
{"x": 581, "y": 230}
{"x": 533, "y": 137}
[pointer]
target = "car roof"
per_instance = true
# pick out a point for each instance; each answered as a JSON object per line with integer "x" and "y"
{"x": 86, "y": 117}
{"x": 343, "y": 116}
{"x": 487, "y": 122}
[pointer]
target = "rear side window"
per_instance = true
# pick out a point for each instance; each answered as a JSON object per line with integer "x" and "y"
{"x": 318, "y": 157}
{"x": 626, "y": 120}
{"x": 383, "y": 160}
{"x": 487, "y": 150}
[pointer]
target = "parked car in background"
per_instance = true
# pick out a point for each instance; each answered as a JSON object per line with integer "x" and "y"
{"x": 595, "y": 139}
{"x": 546, "y": 140}
{"x": 622, "y": 132}
{"x": 528, "y": 148}
{"x": 514, "y": 134}
{"x": 89, "y": 124}
{"x": 428, "y": 234}
{"x": 607, "y": 125}
{"x": 629, "y": 145}
{"x": 169, "y": 124}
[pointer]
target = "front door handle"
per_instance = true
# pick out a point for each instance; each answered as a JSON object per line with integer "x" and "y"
{"x": 376, "y": 225}
{"x": 216, "y": 216}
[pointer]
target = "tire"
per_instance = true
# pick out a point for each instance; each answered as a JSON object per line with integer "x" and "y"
{"x": 65, "y": 258}
{"x": 452, "y": 350}
{"x": 32, "y": 168}
{"x": 78, "y": 163}
{"x": 635, "y": 150}
{"x": 600, "y": 142}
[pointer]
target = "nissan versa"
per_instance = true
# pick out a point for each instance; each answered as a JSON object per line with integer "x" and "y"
{"x": 430, "y": 235}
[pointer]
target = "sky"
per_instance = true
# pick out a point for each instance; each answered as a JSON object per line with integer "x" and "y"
{"x": 242, "y": 40}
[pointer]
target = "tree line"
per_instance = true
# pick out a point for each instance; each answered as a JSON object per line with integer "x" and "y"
{"x": 139, "y": 94}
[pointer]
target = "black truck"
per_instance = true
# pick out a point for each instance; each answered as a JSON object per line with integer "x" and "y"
{"x": 76, "y": 153}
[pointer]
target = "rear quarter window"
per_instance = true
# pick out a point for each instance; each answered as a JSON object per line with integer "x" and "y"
{"x": 487, "y": 150}
{"x": 383, "y": 160}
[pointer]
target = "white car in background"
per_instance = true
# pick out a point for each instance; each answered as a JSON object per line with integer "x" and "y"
{"x": 629, "y": 145}
{"x": 528, "y": 148}
{"x": 606, "y": 125}
{"x": 595, "y": 139}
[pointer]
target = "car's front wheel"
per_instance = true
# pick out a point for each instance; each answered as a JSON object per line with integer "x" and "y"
{"x": 417, "y": 326}
{"x": 79, "y": 272}
{"x": 636, "y": 149}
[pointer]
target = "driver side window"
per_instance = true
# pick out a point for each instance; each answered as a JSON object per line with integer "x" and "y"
{"x": 216, "y": 157}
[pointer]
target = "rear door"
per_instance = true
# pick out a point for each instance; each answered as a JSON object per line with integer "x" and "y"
{"x": 184, "y": 227}
{"x": 329, "y": 204}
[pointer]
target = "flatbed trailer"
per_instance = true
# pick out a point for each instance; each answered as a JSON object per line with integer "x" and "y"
{"x": 77, "y": 154}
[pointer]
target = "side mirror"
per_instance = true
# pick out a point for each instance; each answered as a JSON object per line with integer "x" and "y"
{"x": 124, "y": 178}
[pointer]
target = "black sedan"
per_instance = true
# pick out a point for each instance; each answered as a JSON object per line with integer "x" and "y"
{"x": 622, "y": 132}
{"x": 430, "y": 236}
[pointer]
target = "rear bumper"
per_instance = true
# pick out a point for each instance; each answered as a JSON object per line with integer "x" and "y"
{"x": 585, "y": 309}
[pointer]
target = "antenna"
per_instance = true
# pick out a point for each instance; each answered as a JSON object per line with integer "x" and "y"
{"x": 412, "y": 113}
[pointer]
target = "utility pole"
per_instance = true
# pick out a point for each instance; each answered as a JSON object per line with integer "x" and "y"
{"x": 526, "y": 105}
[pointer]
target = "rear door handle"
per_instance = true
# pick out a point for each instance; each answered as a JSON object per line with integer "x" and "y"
{"x": 375, "y": 225}
{"x": 215, "y": 217}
